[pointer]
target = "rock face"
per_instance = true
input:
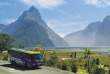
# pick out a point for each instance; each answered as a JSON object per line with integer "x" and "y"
{"x": 85, "y": 37}
{"x": 2, "y": 27}
{"x": 30, "y": 30}
{"x": 103, "y": 34}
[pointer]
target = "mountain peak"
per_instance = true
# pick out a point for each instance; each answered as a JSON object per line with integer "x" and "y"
{"x": 33, "y": 8}
{"x": 32, "y": 14}
{"x": 107, "y": 18}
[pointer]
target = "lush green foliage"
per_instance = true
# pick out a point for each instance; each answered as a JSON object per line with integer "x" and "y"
{"x": 74, "y": 54}
{"x": 71, "y": 54}
{"x": 64, "y": 65}
{"x": 97, "y": 61}
{"x": 74, "y": 68}
{"x": 5, "y": 41}
{"x": 53, "y": 60}
{"x": 30, "y": 33}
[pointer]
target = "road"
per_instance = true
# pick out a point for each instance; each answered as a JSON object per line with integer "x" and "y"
{"x": 7, "y": 68}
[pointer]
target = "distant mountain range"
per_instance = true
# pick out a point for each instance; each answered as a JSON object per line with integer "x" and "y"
{"x": 95, "y": 34}
{"x": 2, "y": 27}
{"x": 30, "y": 30}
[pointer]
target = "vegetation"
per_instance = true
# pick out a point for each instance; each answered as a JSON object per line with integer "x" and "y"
{"x": 74, "y": 68}
{"x": 61, "y": 59}
{"x": 5, "y": 41}
{"x": 65, "y": 60}
{"x": 71, "y": 54}
{"x": 38, "y": 48}
{"x": 31, "y": 35}
{"x": 75, "y": 55}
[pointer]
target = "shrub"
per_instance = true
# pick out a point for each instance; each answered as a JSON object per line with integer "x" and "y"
{"x": 74, "y": 68}
{"x": 109, "y": 72}
{"x": 97, "y": 61}
{"x": 53, "y": 60}
{"x": 59, "y": 65}
{"x": 64, "y": 65}
{"x": 45, "y": 61}
{"x": 99, "y": 71}
{"x": 71, "y": 55}
{"x": 90, "y": 70}
{"x": 5, "y": 58}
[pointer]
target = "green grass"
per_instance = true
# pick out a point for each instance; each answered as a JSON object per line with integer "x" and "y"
{"x": 82, "y": 69}
{"x": 104, "y": 59}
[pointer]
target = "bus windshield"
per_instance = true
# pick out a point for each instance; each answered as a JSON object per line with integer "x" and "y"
{"x": 36, "y": 57}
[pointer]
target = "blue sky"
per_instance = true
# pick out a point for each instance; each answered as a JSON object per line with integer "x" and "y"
{"x": 63, "y": 16}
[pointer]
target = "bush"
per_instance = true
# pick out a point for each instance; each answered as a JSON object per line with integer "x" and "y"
{"x": 64, "y": 65}
{"x": 59, "y": 65}
{"x": 99, "y": 71}
{"x": 45, "y": 61}
{"x": 5, "y": 58}
{"x": 109, "y": 72}
{"x": 53, "y": 60}
{"x": 90, "y": 70}
{"x": 74, "y": 68}
{"x": 97, "y": 61}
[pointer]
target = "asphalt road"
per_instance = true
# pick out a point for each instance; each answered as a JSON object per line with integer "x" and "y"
{"x": 7, "y": 68}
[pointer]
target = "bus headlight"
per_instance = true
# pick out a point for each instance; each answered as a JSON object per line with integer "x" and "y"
{"x": 33, "y": 64}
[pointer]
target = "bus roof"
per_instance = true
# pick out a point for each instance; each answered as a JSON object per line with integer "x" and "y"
{"x": 21, "y": 50}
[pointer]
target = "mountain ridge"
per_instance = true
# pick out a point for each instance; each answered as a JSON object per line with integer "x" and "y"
{"x": 34, "y": 15}
{"x": 85, "y": 37}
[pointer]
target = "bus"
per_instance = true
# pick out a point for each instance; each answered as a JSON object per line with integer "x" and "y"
{"x": 25, "y": 58}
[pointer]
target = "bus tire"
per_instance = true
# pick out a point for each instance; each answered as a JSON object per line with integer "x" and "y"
{"x": 11, "y": 62}
{"x": 14, "y": 62}
{"x": 26, "y": 65}
{"x": 29, "y": 66}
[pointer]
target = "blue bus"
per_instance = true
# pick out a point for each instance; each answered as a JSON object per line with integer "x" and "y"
{"x": 25, "y": 58}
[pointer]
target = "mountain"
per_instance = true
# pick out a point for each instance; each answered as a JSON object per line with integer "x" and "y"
{"x": 2, "y": 27}
{"x": 103, "y": 34}
{"x": 30, "y": 30}
{"x": 85, "y": 37}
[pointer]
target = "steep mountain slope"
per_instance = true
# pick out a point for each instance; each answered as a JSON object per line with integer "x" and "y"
{"x": 28, "y": 32}
{"x": 103, "y": 34}
{"x": 2, "y": 27}
{"x": 33, "y": 15}
{"x": 85, "y": 37}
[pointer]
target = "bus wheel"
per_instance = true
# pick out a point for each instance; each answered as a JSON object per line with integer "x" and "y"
{"x": 11, "y": 62}
{"x": 29, "y": 66}
{"x": 14, "y": 62}
{"x": 26, "y": 65}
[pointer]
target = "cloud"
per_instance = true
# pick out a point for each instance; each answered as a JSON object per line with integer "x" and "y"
{"x": 64, "y": 28}
{"x": 98, "y": 3}
{"x": 75, "y": 16}
{"x": 5, "y": 4}
{"x": 8, "y": 21}
{"x": 49, "y": 4}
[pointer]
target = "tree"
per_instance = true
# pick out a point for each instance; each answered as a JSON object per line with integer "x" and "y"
{"x": 5, "y": 41}
{"x": 71, "y": 55}
{"x": 74, "y": 68}
{"x": 38, "y": 48}
{"x": 97, "y": 61}
{"x": 20, "y": 46}
{"x": 75, "y": 55}
{"x": 87, "y": 53}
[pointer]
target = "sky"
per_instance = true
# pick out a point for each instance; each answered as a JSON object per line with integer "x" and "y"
{"x": 63, "y": 16}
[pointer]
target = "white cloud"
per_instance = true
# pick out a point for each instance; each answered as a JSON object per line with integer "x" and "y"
{"x": 49, "y": 4}
{"x": 8, "y": 21}
{"x": 64, "y": 28}
{"x": 98, "y": 3}
{"x": 5, "y": 4}
{"x": 75, "y": 16}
